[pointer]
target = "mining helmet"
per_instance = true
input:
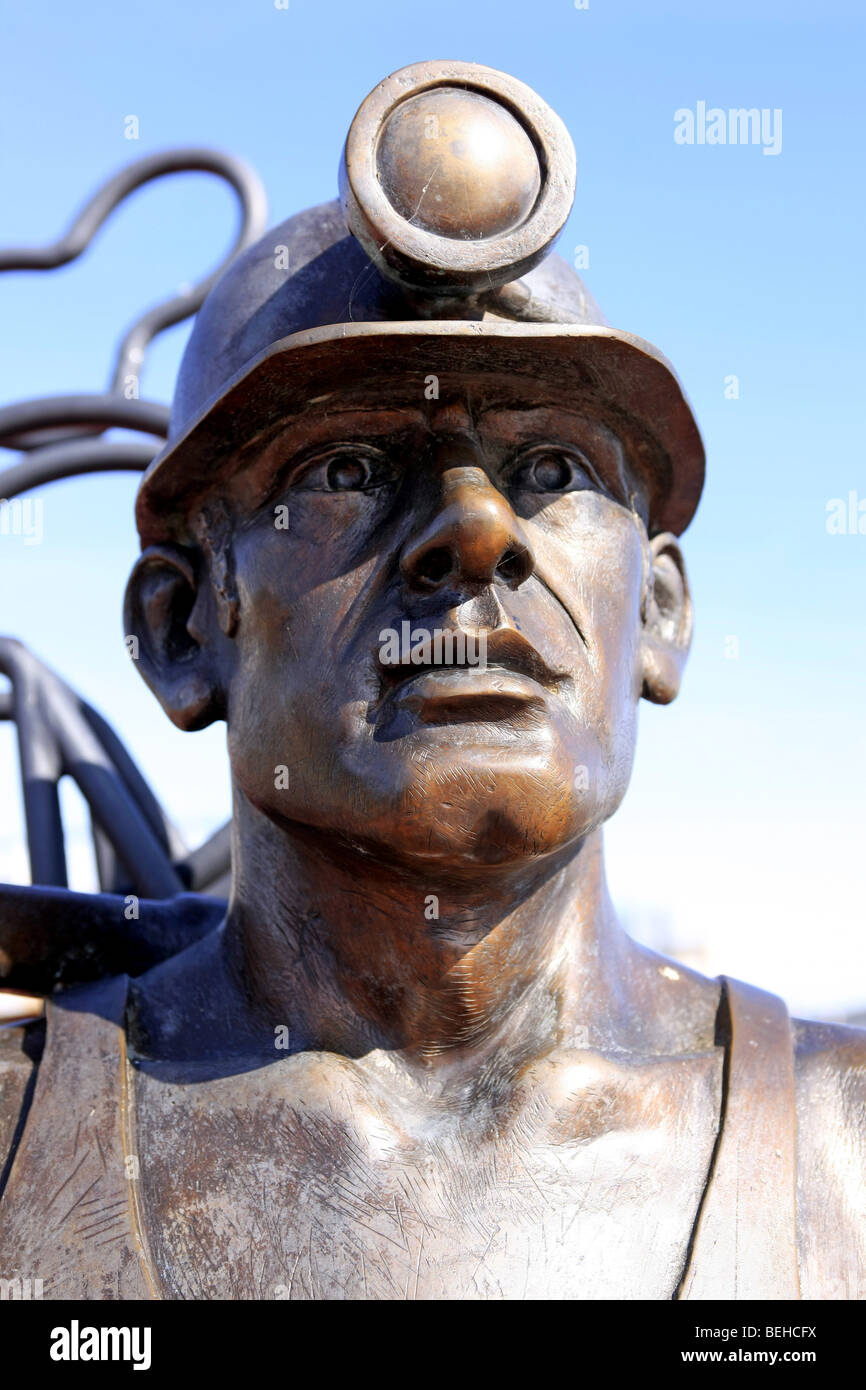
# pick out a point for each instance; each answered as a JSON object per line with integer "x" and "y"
{"x": 454, "y": 183}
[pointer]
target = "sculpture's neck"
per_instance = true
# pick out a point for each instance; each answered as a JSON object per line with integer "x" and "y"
{"x": 352, "y": 954}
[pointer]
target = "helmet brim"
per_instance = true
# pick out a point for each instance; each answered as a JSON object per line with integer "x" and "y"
{"x": 612, "y": 374}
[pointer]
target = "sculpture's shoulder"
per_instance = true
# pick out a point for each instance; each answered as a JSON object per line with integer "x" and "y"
{"x": 830, "y": 1070}
{"x": 65, "y": 1210}
{"x": 54, "y": 1062}
{"x": 20, "y": 1049}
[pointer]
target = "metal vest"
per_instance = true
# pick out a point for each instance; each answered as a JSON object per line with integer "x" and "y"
{"x": 744, "y": 1242}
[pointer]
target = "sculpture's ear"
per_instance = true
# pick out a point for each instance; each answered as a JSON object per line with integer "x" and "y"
{"x": 667, "y": 621}
{"x": 164, "y": 616}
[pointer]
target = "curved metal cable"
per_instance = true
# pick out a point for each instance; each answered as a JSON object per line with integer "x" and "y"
{"x": 72, "y": 458}
{"x": 60, "y": 438}
{"x": 61, "y": 434}
{"x": 104, "y": 409}
{"x": 72, "y": 455}
{"x": 253, "y": 209}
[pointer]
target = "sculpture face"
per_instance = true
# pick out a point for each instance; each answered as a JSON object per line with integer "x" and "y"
{"x": 491, "y": 512}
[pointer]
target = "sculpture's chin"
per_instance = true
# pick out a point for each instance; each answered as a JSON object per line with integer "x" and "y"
{"x": 465, "y": 817}
{"x": 443, "y": 796}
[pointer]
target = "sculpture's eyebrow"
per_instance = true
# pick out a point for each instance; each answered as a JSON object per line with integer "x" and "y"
{"x": 390, "y": 415}
{"x": 520, "y": 423}
{"x": 299, "y": 432}
{"x": 342, "y": 423}
{"x": 263, "y": 464}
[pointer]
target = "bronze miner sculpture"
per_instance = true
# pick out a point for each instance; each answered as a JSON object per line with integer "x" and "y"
{"x": 414, "y": 537}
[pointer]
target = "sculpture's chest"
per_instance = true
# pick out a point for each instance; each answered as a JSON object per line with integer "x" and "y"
{"x": 303, "y": 1180}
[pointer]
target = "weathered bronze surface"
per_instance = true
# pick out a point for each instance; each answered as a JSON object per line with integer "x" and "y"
{"x": 420, "y": 1058}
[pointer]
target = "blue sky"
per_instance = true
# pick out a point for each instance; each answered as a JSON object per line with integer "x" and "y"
{"x": 741, "y": 840}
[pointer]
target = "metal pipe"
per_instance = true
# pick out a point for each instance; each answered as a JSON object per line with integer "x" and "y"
{"x": 71, "y": 459}
{"x": 211, "y": 861}
{"x": 253, "y": 220}
{"x": 41, "y": 766}
{"x": 105, "y": 409}
{"x": 143, "y": 855}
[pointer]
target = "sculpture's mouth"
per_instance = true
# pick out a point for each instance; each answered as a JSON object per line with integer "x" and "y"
{"x": 441, "y": 695}
{"x": 459, "y": 677}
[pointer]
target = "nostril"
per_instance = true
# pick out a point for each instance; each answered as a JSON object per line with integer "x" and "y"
{"x": 434, "y": 564}
{"x": 512, "y": 567}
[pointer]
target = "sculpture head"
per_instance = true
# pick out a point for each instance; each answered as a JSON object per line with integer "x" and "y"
{"x": 414, "y": 535}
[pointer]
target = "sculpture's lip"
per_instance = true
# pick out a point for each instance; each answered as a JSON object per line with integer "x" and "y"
{"x": 470, "y": 678}
{"x": 454, "y": 651}
{"x": 438, "y": 694}
{"x": 494, "y": 676}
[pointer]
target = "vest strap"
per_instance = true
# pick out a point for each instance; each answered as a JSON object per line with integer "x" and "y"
{"x": 68, "y": 1212}
{"x": 745, "y": 1239}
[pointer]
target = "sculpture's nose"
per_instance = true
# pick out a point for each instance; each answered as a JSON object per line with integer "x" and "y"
{"x": 474, "y": 539}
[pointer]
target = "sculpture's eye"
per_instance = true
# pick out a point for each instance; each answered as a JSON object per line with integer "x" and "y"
{"x": 347, "y": 469}
{"x": 549, "y": 468}
{"x": 348, "y": 473}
